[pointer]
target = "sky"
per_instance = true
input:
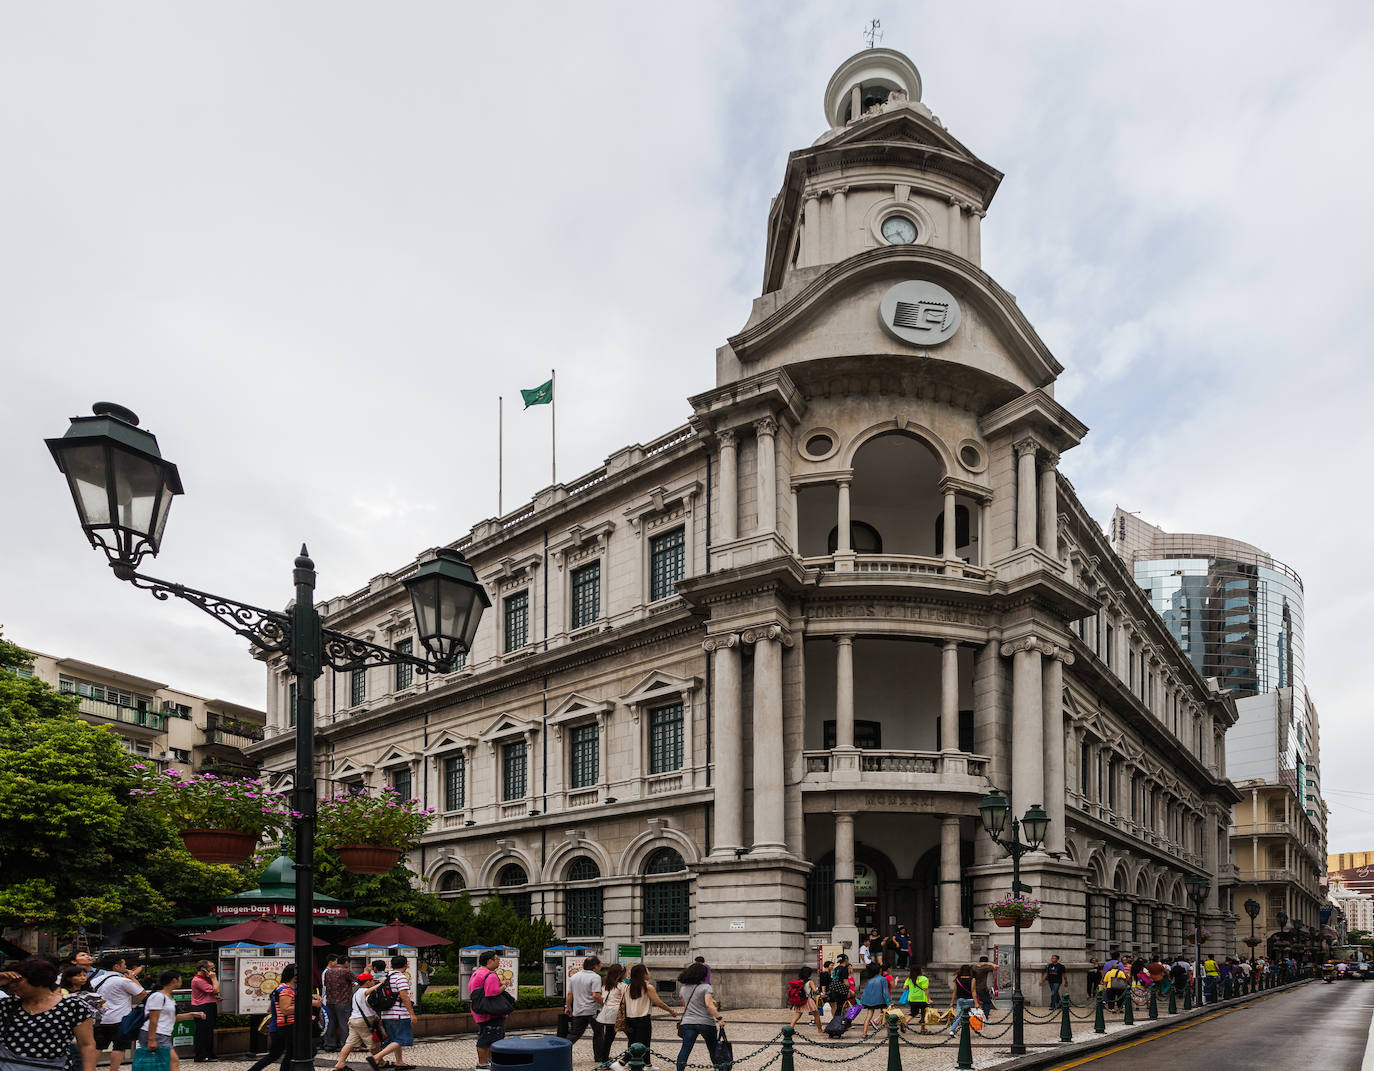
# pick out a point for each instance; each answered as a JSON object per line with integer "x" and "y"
{"x": 310, "y": 244}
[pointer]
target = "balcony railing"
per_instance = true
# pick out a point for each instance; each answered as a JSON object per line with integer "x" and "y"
{"x": 1270, "y": 874}
{"x": 897, "y": 565}
{"x": 884, "y": 768}
{"x": 147, "y": 719}
{"x": 231, "y": 739}
{"x": 1262, "y": 829}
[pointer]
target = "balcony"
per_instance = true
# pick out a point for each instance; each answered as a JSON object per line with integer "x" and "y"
{"x": 141, "y": 722}
{"x": 1271, "y": 874}
{"x": 238, "y": 737}
{"x": 917, "y": 771}
{"x": 898, "y": 566}
{"x": 1264, "y": 829}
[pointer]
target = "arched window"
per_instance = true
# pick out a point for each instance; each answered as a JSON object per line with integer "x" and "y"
{"x": 451, "y": 883}
{"x": 511, "y": 876}
{"x": 863, "y": 539}
{"x": 582, "y": 906}
{"x": 667, "y": 903}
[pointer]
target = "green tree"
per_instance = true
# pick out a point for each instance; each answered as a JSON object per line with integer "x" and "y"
{"x": 73, "y": 851}
{"x": 1358, "y": 937}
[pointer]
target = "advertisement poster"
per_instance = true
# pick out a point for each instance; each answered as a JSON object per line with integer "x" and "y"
{"x": 509, "y": 971}
{"x": 827, "y": 953}
{"x": 259, "y": 978}
{"x": 184, "y": 1032}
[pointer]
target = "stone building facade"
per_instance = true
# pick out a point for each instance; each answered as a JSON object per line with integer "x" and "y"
{"x": 742, "y": 688}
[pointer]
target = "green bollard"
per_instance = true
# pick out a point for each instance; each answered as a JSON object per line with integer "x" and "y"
{"x": 1099, "y": 1020}
{"x": 965, "y": 1047}
{"x": 1188, "y": 998}
{"x": 1128, "y": 1007}
{"x": 894, "y": 1053}
{"x": 1065, "y": 1026}
{"x": 1173, "y": 1000}
{"x": 1154, "y": 1003}
{"x": 787, "y": 1032}
{"x": 639, "y": 1056}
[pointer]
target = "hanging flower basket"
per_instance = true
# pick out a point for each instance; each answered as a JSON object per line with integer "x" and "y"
{"x": 219, "y": 845}
{"x": 1012, "y": 910}
{"x": 368, "y": 858}
{"x": 1008, "y": 921}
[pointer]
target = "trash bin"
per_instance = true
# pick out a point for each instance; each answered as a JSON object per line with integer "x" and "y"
{"x": 542, "y": 1052}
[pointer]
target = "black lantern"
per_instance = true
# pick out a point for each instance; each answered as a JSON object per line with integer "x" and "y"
{"x": 1198, "y": 887}
{"x": 448, "y": 601}
{"x": 1036, "y": 823}
{"x": 994, "y": 810}
{"x": 1281, "y": 918}
{"x": 1252, "y": 908}
{"x": 121, "y": 485}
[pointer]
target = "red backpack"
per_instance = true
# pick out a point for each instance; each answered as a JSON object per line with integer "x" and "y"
{"x": 796, "y": 993}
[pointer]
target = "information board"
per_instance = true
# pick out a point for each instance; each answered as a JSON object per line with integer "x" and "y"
{"x": 258, "y": 977}
{"x": 184, "y": 1032}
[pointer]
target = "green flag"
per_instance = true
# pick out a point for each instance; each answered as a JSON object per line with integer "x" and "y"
{"x": 540, "y": 395}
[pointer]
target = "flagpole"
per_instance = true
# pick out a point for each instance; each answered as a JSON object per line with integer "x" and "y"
{"x": 500, "y": 449}
{"x": 553, "y": 424}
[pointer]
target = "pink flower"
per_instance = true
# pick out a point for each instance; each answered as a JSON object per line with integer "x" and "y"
{"x": 139, "y": 766}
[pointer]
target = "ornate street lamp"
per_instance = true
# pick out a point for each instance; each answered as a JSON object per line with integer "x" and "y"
{"x": 123, "y": 490}
{"x": 994, "y": 811}
{"x": 1198, "y": 888}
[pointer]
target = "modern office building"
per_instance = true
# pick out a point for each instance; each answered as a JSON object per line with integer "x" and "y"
{"x": 742, "y": 688}
{"x": 1238, "y": 614}
{"x": 163, "y": 726}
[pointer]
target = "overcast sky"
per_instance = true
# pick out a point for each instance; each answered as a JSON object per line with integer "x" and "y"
{"x": 311, "y": 243}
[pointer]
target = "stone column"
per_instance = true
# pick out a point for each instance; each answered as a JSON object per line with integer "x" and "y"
{"x": 949, "y": 697}
{"x": 1027, "y": 724}
{"x": 975, "y": 236}
{"x": 844, "y": 928}
{"x": 844, "y": 692}
{"x": 950, "y": 941}
{"x": 729, "y": 486}
{"x": 1209, "y": 752}
{"x": 950, "y": 530}
{"x": 837, "y": 223}
{"x": 1025, "y": 493}
{"x": 767, "y": 474}
{"x": 956, "y": 228}
{"x": 769, "y": 759}
{"x": 1049, "y": 507}
{"x": 842, "y": 544}
{"x": 727, "y": 744}
{"x": 984, "y": 527}
{"x": 811, "y": 231}
{"x": 1055, "y": 789}
{"x": 1210, "y": 862}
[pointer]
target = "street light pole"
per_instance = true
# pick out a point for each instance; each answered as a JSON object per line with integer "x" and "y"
{"x": 123, "y": 491}
{"x": 1198, "y": 888}
{"x": 994, "y": 811}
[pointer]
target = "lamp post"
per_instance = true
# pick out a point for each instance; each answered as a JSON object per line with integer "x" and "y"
{"x": 1198, "y": 888}
{"x": 123, "y": 490}
{"x": 1252, "y": 908}
{"x": 994, "y": 811}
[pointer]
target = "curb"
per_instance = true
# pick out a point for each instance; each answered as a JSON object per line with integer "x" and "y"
{"x": 1036, "y": 1060}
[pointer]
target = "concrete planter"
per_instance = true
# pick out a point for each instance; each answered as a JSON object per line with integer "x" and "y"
{"x": 231, "y": 1040}
{"x": 462, "y": 1022}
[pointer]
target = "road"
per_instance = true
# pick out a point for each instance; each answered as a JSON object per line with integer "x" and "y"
{"x": 1318, "y": 1027}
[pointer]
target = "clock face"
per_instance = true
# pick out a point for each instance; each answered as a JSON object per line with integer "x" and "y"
{"x": 899, "y": 230}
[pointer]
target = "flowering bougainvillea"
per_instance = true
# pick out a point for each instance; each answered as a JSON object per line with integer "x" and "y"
{"x": 387, "y": 820}
{"x": 1014, "y": 907}
{"x": 205, "y": 801}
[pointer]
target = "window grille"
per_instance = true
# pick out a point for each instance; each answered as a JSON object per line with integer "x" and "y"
{"x": 513, "y": 876}
{"x": 820, "y": 897}
{"x": 451, "y": 883}
{"x": 586, "y": 595}
{"x": 667, "y": 563}
{"x": 582, "y": 907}
{"x": 666, "y": 908}
{"x": 455, "y": 782}
{"x": 513, "y": 771}
{"x": 400, "y": 781}
{"x": 664, "y": 861}
{"x": 584, "y": 756}
{"x": 405, "y": 672}
{"x": 665, "y": 739}
{"x": 357, "y": 687}
{"x": 517, "y": 620}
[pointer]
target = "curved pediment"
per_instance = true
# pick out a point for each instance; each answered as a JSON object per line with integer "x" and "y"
{"x": 837, "y": 315}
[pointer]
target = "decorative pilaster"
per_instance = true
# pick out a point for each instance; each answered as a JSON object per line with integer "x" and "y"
{"x": 769, "y": 754}
{"x": 767, "y": 429}
{"x": 729, "y": 485}
{"x": 729, "y": 744}
{"x": 1055, "y": 801}
{"x": 956, "y": 227}
{"x": 811, "y": 230}
{"x": 1025, "y": 492}
{"x": 838, "y": 225}
{"x": 950, "y": 536}
{"x": 1027, "y": 722}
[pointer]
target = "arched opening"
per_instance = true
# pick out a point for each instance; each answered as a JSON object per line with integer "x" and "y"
{"x": 896, "y": 491}
{"x": 451, "y": 883}
{"x": 511, "y": 877}
{"x": 929, "y": 889}
{"x": 667, "y": 897}
{"x": 583, "y": 915}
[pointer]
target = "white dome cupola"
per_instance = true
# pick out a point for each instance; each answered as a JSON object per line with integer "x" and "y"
{"x": 868, "y": 80}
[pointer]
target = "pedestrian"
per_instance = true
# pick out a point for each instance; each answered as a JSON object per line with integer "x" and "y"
{"x": 37, "y": 1024}
{"x": 583, "y": 1002}
{"x": 961, "y": 998}
{"x": 874, "y": 998}
{"x": 74, "y": 982}
{"x": 1094, "y": 976}
{"x": 1211, "y": 975}
{"x": 120, "y": 989}
{"x": 875, "y": 947}
{"x": 903, "y": 948}
{"x": 837, "y": 989}
{"x": 363, "y": 1026}
{"x": 1054, "y": 978}
{"x": 421, "y": 982}
{"x": 1116, "y": 985}
{"x": 397, "y": 1020}
{"x": 983, "y": 973}
{"x": 163, "y": 1018}
{"x": 612, "y": 996}
{"x": 702, "y": 961}
{"x": 1158, "y": 973}
{"x": 916, "y": 994}
{"x": 490, "y": 1028}
{"x": 891, "y": 950}
{"x": 804, "y": 998}
{"x": 701, "y": 1017}
{"x": 338, "y": 984}
{"x": 640, "y": 996}
{"x": 281, "y": 1021}
{"x": 205, "y": 998}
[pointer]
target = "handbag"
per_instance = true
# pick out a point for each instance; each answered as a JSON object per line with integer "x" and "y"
{"x": 564, "y": 1027}
{"x": 622, "y": 1024}
{"x": 498, "y": 1007}
{"x": 724, "y": 1056}
{"x": 975, "y": 1020}
{"x": 159, "y": 1059}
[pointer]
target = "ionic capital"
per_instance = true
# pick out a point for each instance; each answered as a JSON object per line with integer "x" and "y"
{"x": 763, "y": 633}
{"x": 720, "y": 642}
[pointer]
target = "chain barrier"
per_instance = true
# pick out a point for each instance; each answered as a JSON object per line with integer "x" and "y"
{"x": 736, "y": 1060}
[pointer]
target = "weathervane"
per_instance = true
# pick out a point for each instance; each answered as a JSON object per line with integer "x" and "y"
{"x": 873, "y": 33}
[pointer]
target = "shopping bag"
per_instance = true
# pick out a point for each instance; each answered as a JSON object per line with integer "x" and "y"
{"x": 975, "y": 1020}
{"x": 564, "y": 1025}
{"x": 158, "y": 1059}
{"x": 724, "y": 1056}
{"x": 852, "y": 1012}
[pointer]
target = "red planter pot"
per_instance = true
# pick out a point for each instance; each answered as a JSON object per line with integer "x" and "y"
{"x": 368, "y": 858}
{"x": 219, "y": 845}
{"x": 1008, "y": 923}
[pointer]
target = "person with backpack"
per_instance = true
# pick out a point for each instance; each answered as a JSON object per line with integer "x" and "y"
{"x": 161, "y": 1009}
{"x": 363, "y": 1024}
{"x": 916, "y": 995}
{"x": 1116, "y": 985}
{"x": 281, "y": 1020}
{"x": 802, "y": 998}
{"x": 391, "y": 1000}
{"x": 488, "y": 994}
{"x": 120, "y": 989}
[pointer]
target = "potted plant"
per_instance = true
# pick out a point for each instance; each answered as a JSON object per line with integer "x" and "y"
{"x": 1012, "y": 910}
{"x": 1203, "y": 935}
{"x": 371, "y": 833}
{"x": 219, "y": 820}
